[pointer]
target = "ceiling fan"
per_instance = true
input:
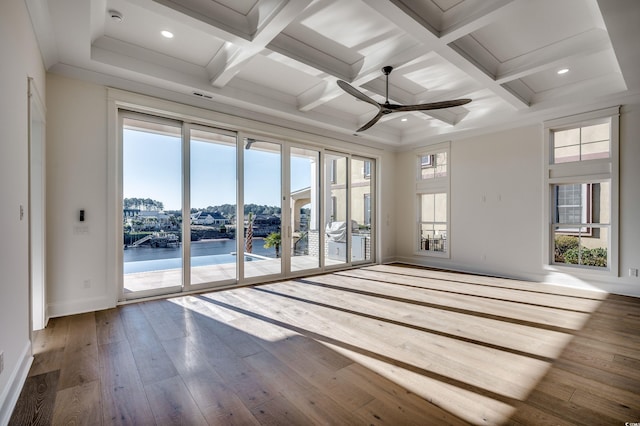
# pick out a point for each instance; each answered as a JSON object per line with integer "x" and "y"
{"x": 388, "y": 108}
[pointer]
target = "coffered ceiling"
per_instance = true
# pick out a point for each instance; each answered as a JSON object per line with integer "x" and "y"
{"x": 279, "y": 60}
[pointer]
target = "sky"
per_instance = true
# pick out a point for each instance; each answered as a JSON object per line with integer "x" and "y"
{"x": 152, "y": 169}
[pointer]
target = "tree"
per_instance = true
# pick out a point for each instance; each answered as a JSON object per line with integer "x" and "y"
{"x": 273, "y": 240}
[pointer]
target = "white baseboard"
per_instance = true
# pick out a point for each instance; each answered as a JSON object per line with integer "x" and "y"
{"x": 79, "y": 306}
{"x": 10, "y": 395}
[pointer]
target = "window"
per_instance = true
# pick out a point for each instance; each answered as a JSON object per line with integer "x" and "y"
{"x": 432, "y": 200}
{"x": 582, "y": 186}
{"x": 581, "y": 143}
{"x": 433, "y": 222}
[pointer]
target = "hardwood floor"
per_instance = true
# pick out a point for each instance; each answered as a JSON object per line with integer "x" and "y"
{"x": 381, "y": 345}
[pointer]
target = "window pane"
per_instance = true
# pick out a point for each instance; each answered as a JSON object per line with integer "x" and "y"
{"x": 581, "y": 144}
{"x": 583, "y": 203}
{"x": 433, "y": 237}
{"x": 570, "y": 207}
{"x": 152, "y": 213}
{"x": 567, "y": 154}
{"x": 433, "y": 222}
{"x": 432, "y": 165}
{"x": 598, "y": 132}
{"x": 594, "y": 150}
{"x": 427, "y": 208}
{"x": 213, "y": 207}
{"x": 361, "y": 209}
{"x": 566, "y": 137}
{"x": 262, "y": 208}
{"x": 584, "y": 247}
{"x": 304, "y": 208}
{"x": 440, "y": 207}
{"x": 336, "y": 210}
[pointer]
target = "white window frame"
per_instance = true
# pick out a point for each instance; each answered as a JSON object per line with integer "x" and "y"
{"x": 433, "y": 185}
{"x": 582, "y": 172}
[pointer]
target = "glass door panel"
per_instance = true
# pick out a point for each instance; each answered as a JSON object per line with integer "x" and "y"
{"x": 212, "y": 206}
{"x": 304, "y": 209}
{"x": 361, "y": 209}
{"x": 335, "y": 215}
{"x": 262, "y": 208}
{"x": 152, "y": 207}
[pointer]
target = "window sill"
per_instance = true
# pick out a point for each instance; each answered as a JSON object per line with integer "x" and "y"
{"x": 424, "y": 253}
{"x": 580, "y": 272}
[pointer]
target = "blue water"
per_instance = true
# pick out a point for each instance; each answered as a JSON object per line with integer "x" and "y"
{"x": 146, "y": 259}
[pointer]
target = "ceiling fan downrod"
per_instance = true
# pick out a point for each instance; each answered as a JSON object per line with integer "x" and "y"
{"x": 387, "y": 70}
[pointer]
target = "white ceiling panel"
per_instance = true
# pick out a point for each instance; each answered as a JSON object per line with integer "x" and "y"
{"x": 583, "y": 68}
{"x": 142, "y": 28}
{"x": 277, "y": 76}
{"x": 532, "y": 27}
{"x": 347, "y": 23}
{"x": 283, "y": 58}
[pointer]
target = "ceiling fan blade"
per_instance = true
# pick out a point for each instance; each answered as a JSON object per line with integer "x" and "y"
{"x": 429, "y": 106}
{"x": 371, "y": 122}
{"x": 355, "y": 92}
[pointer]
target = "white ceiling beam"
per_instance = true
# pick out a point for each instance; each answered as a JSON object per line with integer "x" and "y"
{"x": 367, "y": 71}
{"x": 223, "y": 69}
{"x": 403, "y": 20}
{"x": 461, "y": 21}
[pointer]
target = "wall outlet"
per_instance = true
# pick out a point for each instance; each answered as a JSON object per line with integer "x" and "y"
{"x": 633, "y": 272}
{"x": 86, "y": 283}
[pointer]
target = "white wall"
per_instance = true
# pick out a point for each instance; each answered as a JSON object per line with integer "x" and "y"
{"x": 76, "y": 179}
{"x": 496, "y": 188}
{"x": 496, "y": 207}
{"x": 80, "y": 278}
{"x": 20, "y": 60}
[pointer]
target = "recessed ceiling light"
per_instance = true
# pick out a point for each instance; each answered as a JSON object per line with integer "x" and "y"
{"x": 563, "y": 71}
{"x": 404, "y": 119}
{"x": 166, "y": 34}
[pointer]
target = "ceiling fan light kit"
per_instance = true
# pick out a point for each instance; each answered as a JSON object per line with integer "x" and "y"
{"x": 388, "y": 108}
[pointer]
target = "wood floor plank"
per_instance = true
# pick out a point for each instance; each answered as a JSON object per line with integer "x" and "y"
{"x": 80, "y": 360}
{"x": 171, "y": 403}
{"x": 163, "y": 325}
{"x": 79, "y": 405}
{"x": 508, "y": 374}
{"x": 506, "y": 294}
{"x": 229, "y": 410}
{"x": 47, "y": 361}
{"x": 517, "y": 337}
{"x": 123, "y": 397}
{"x": 53, "y": 337}
{"x": 36, "y": 402}
{"x": 151, "y": 359}
{"x": 109, "y": 326}
{"x": 279, "y": 411}
{"x": 400, "y": 269}
{"x": 385, "y": 344}
{"x": 503, "y": 310}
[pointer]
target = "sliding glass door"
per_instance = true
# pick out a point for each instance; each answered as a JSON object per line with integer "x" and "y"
{"x": 262, "y": 209}
{"x": 202, "y": 208}
{"x": 212, "y": 206}
{"x": 336, "y": 246}
{"x": 362, "y": 176}
{"x": 152, "y": 205}
{"x": 304, "y": 209}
